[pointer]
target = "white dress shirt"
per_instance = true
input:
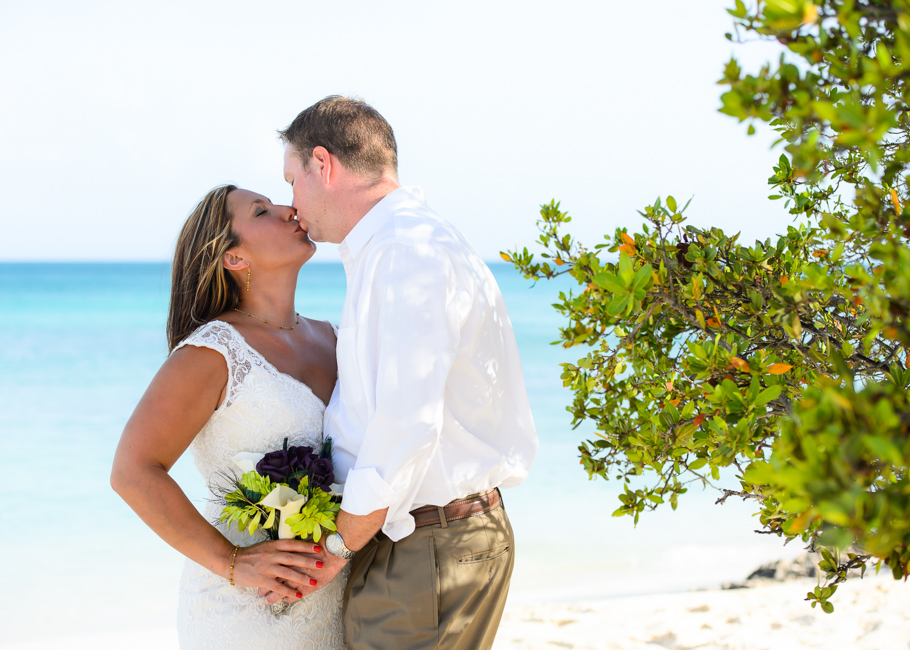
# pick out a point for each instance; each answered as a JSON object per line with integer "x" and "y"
{"x": 430, "y": 405}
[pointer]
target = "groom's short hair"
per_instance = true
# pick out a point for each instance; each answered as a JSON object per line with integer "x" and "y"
{"x": 349, "y": 129}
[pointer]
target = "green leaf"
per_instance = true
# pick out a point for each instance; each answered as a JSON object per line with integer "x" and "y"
{"x": 610, "y": 282}
{"x": 625, "y": 269}
{"x": 767, "y": 395}
{"x": 642, "y": 277}
{"x": 618, "y": 305}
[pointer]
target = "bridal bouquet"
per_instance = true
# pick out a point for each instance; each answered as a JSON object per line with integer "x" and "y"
{"x": 289, "y": 493}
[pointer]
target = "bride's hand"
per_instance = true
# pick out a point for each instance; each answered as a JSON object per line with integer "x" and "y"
{"x": 326, "y": 568}
{"x": 279, "y": 566}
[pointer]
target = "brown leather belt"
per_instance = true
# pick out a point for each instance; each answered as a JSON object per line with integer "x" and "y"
{"x": 460, "y": 509}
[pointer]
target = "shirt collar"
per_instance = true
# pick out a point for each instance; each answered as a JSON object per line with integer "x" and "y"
{"x": 379, "y": 215}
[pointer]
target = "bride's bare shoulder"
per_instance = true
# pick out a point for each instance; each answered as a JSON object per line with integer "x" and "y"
{"x": 323, "y": 331}
{"x": 196, "y": 360}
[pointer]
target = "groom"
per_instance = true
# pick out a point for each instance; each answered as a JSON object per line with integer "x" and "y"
{"x": 430, "y": 416}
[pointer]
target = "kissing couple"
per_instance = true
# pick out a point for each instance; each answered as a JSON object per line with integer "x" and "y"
{"x": 419, "y": 387}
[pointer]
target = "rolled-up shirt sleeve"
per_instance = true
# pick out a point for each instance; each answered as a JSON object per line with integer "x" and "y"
{"x": 405, "y": 346}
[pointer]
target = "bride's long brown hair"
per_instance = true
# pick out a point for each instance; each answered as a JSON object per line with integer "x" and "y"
{"x": 201, "y": 288}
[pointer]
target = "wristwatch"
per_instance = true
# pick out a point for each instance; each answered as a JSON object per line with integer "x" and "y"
{"x": 334, "y": 544}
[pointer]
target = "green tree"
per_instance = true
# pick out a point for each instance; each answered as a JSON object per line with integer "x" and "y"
{"x": 786, "y": 360}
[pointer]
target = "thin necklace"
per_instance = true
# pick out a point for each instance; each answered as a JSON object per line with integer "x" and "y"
{"x": 269, "y": 323}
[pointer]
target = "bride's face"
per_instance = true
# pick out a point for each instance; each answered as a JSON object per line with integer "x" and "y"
{"x": 270, "y": 235}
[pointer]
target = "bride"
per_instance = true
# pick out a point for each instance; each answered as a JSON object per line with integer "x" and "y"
{"x": 245, "y": 372}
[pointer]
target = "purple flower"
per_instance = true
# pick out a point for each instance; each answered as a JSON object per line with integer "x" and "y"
{"x": 322, "y": 475}
{"x": 301, "y": 457}
{"x": 279, "y": 465}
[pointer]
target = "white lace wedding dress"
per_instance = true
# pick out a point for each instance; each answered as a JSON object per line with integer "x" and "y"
{"x": 261, "y": 408}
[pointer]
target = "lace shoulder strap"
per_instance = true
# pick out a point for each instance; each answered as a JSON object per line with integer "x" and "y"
{"x": 224, "y": 339}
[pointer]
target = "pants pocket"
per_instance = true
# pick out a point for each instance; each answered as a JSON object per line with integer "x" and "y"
{"x": 484, "y": 556}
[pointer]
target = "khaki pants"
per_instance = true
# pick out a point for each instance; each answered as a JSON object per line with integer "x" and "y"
{"x": 436, "y": 588}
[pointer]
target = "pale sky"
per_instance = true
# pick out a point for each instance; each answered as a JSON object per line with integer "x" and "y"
{"x": 117, "y": 117}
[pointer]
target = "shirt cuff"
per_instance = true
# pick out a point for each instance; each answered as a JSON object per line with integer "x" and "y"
{"x": 365, "y": 492}
{"x": 398, "y": 530}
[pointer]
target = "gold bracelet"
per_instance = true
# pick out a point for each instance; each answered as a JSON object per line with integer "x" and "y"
{"x": 233, "y": 557}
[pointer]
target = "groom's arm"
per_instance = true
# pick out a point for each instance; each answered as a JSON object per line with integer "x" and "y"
{"x": 415, "y": 308}
{"x": 356, "y": 531}
{"x": 407, "y": 337}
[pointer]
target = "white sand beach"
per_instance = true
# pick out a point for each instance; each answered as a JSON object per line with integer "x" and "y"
{"x": 870, "y": 614}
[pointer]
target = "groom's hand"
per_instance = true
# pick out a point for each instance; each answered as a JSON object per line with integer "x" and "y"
{"x": 326, "y": 567}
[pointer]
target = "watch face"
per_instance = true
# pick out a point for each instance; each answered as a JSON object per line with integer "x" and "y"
{"x": 335, "y": 545}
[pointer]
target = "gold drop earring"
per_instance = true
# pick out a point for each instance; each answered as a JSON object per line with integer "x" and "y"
{"x": 249, "y": 272}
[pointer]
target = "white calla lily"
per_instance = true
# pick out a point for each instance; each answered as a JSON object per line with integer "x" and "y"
{"x": 288, "y": 503}
{"x": 246, "y": 461}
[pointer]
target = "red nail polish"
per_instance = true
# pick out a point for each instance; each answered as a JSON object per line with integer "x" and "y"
{"x": 312, "y": 582}
{"x": 318, "y": 564}
{"x": 317, "y": 549}
{"x": 299, "y": 595}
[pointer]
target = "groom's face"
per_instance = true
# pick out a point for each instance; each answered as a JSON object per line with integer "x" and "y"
{"x": 309, "y": 198}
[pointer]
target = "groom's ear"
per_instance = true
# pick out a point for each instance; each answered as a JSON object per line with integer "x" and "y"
{"x": 322, "y": 163}
{"x": 233, "y": 262}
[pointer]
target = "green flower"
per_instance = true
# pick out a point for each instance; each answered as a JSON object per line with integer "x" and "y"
{"x": 318, "y": 513}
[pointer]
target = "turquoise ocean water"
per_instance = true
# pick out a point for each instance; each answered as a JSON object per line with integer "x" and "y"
{"x": 80, "y": 342}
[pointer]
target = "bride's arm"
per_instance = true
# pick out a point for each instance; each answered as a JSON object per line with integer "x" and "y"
{"x": 176, "y": 405}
